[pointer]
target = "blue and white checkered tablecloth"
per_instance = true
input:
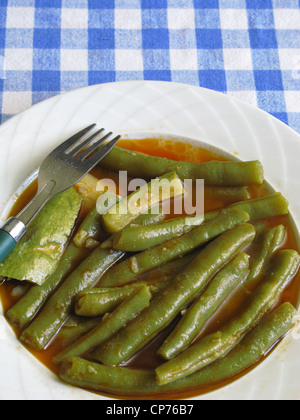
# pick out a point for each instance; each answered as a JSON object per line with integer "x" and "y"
{"x": 249, "y": 49}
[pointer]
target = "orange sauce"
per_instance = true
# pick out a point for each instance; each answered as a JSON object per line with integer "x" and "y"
{"x": 147, "y": 357}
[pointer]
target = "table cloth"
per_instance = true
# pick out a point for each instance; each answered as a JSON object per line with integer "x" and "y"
{"x": 249, "y": 49}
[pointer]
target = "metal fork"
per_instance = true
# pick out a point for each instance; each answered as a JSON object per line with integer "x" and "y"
{"x": 61, "y": 170}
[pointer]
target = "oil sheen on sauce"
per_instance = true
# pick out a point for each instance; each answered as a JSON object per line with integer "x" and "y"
{"x": 147, "y": 358}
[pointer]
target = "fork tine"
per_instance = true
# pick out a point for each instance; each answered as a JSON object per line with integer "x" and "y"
{"x": 94, "y": 147}
{"x": 85, "y": 144}
{"x": 73, "y": 141}
{"x": 97, "y": 157}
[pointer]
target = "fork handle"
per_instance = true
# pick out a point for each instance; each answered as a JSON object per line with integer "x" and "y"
{"x": 10, "y": 234}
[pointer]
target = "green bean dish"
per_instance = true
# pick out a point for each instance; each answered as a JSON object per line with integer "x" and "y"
{"x": 142, "y": 301}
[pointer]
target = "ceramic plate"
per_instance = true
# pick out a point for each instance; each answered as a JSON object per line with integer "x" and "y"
{"x": 137, "y": 109}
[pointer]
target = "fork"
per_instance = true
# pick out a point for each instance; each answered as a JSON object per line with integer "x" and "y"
{"x": 61, "y": 170}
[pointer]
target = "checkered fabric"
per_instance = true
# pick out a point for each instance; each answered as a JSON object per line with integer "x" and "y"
{"x": 247, "y": 48}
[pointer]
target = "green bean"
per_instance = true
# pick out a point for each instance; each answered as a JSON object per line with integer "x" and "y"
{"x": 214, "y": 346}
{"x": 260, "y": 227}
{"x": 227, "y": 195}
{"x": 172, "y": 249}
{"x": 214, "y": 173}
{"x": 38, "y": 334}
{"x": 166, "y": 305}
{"x": 128, "y": 310}
{"x": 127, "y": 210}
{"x": 152, "y": 217}
{"x": 162, "y": 276}
{"x": 259, "y": 208}
{"x": 268, "y": 242}
{"x": 75, "y": 328}
{"x": 140, "y": 238}
{"x": 23, "y": 312}
{"x": 130, "y": 382}
{"x": 156, "y": 215}
{"x": 253, "y": 347}
{"x": 97, "y": 302}
{"x": 91, "y": 230}
{"x": 194, "y": 319}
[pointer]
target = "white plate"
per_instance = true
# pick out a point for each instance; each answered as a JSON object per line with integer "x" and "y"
{"x": 153, "y": 107}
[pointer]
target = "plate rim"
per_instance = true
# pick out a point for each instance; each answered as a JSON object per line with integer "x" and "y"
{"x": 158, "y": 82}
